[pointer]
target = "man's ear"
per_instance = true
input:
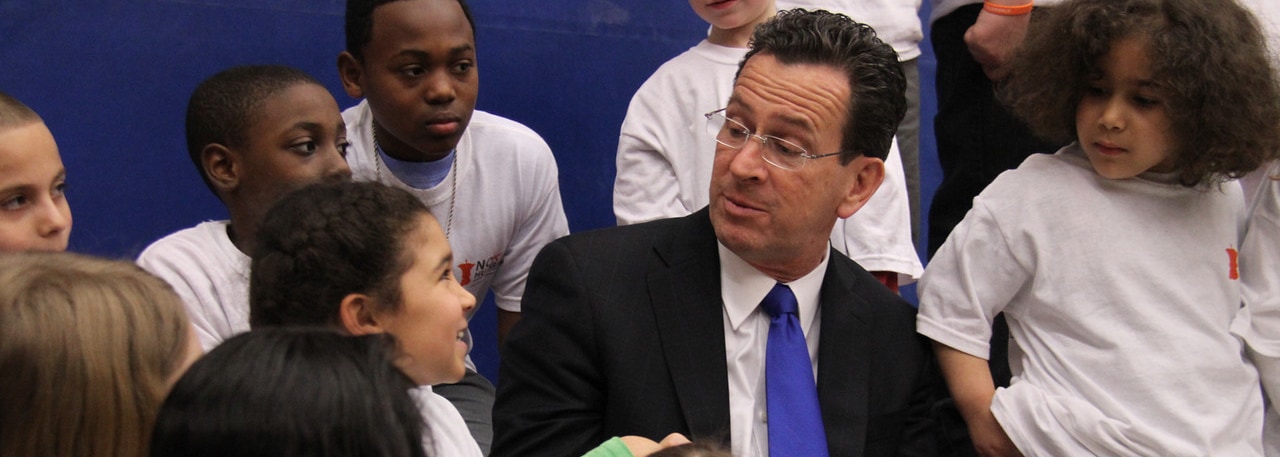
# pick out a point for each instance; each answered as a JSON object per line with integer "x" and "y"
{"x": 868, "y": 173}
{"x": 221, "y": 166}
{"x": 352, "y": 74}
{"x": 356, "y": 315}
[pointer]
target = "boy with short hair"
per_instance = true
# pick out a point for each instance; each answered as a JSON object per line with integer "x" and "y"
{"x": 492, "y": 182}
{"x": 254, "y": 133}
{"x": 665, "y": 155}
{"x": 34, "y": 214}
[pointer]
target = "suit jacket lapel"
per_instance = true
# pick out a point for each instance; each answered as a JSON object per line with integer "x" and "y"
{"x": 843, "y": 358}
{"x": 685, "y": 295}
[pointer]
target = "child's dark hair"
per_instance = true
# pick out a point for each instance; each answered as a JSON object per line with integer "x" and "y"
{"x": 1209, "y": 59}
{"x": 223, "y": 107}
{"x": 327, "y": 241}
{"x": 13, "y": 113}
{"x": 292, "y": 392}
{"x": 359, "y": 23}
{"x": 877, "y": 96}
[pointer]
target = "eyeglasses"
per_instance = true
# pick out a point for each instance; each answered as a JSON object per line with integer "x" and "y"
{"x": 776, "y": 151}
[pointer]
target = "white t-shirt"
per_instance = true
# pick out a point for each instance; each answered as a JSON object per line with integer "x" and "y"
{"x": 897, "y": 22}
{"x": 1260, "y": 278}
{"x": 507, "y": 204}
{"x": 446, "y": 433}
{"x": 1119, "y": 296}
{"x": 210, "y": 275}
{"x": 665, "y": 160}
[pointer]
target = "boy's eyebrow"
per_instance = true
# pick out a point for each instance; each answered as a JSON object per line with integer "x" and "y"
{"x": 15, "y": 188}
{"x": 424, "y": 55}
{"x": 308, "y": 125}
{"x": 446, "y": 262}
{"x": 61, "y": 176}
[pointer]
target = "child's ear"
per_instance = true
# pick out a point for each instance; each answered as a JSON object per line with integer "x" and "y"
{"x": 867, "y": 174}
{"x": 221, "y": 166}
{"x": 352, "y": 74}
{"x": 356, "y": 315}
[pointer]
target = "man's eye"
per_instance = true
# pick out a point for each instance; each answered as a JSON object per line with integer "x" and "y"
{"x": 462, "y": 67}
{"x": 737, "y": 132}
{"x": 784, "y": 148}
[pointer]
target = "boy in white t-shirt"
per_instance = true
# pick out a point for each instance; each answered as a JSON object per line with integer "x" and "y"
{"x": 492, "y": 182}
{"x": 665, "y": 155}
{"x": 254, "y": 134}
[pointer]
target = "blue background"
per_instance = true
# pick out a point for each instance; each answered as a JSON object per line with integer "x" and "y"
{"x": 111, "y": 79}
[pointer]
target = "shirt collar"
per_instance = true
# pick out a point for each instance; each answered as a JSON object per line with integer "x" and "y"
{"x": 742, "y": 287}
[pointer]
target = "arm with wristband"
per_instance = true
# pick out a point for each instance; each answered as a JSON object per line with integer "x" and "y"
{"x": 999, "y": 30}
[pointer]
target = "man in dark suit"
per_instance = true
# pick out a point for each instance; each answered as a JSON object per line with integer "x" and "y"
{"x": 659, "y": 327}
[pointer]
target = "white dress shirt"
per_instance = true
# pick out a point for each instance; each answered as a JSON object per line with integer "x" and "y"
{"x": 746, "y": 333}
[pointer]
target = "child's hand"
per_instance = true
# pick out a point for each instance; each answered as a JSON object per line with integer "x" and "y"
{"x": 971, "y": 387}
{"x": 641, "y": 446}
{"x": 993, "y": 39}
{"x": 989, "y": 439}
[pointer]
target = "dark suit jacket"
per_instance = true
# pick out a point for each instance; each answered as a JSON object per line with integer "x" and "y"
{"x": 622, "y": 333}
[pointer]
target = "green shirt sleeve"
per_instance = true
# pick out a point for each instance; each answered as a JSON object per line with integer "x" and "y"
{"x": 612, "y": 448}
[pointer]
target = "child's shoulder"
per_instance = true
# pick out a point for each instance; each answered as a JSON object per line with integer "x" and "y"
{"x": 490, "y": 129}
{"x": 1045, "y": 172}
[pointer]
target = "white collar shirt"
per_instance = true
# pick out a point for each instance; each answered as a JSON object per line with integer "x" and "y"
{"x": 746, "y": 334}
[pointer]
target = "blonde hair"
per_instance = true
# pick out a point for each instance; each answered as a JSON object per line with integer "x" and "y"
{"x": 86, "y": 347}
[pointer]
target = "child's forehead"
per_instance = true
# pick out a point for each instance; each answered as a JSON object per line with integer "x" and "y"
{"x": 27, "y": 147}
{"x": 397, "y": 23}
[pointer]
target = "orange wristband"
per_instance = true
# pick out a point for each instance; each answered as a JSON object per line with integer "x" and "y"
{"x": 1007, "y": 10}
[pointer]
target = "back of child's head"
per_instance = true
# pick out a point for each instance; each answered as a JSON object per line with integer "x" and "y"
{"x": 1209, "y": 63}
{"x": 14, "y": 113}
{"x": 88, "y": 348}
{"x": 286, "y": 392}
{"x": 359, "y": 23}
{"x": 327, "y": 241}
{"x": 222, "y": 108}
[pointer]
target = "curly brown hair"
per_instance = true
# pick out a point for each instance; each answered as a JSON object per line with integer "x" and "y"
{"x": 1209, "y": 57}
{"x": 326, "y": 241}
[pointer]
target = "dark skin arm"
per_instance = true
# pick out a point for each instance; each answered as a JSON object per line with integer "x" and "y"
{"x": 506, "y": 321}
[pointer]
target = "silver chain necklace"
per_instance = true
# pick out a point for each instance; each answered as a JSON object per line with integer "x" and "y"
{"x": 453, "y": 170}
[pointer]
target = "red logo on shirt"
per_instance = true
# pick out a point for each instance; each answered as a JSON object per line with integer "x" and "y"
{"x": 1234, "y": 272}
{"x": 474, "y": 271}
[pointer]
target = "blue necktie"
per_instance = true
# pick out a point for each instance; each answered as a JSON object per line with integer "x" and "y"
{"x": 795, "y": 419}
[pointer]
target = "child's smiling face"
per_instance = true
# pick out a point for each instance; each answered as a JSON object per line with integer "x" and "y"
{"x": 432, "y": 315}
{"x": 34, "y": 214}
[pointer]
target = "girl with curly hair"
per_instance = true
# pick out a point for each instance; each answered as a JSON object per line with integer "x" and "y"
{"x": 1113, "y": 260}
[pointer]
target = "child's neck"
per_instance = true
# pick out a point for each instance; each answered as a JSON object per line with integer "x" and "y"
{"x": 737, "y": 37}
{"x": 730, "y": 38}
